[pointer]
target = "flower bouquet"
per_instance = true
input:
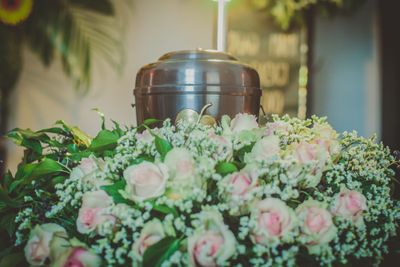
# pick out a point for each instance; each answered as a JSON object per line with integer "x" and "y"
{"x": 289, "y": 193}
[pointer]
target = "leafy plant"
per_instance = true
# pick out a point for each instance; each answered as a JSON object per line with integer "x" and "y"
{"x": 287, "y": 12}
{"x": 49, "y": 156}
{"x": 75, "y": 31}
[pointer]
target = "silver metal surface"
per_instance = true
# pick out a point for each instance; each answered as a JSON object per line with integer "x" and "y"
{"x": 193, "y": 78}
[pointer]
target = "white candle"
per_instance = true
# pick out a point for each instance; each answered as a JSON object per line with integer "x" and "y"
{"x": 221, "y": 31}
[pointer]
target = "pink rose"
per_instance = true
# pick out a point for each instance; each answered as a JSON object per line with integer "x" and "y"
{"x": 316, "y": 223}
{"x": 208, "y": 244}
{"x": 306, "y": 152}
{"x": 37, "y": 249}
{"x": 277, "y": 127}
{"x": 273, "y": 220}
{"x": 241, "y": 183}
{"x": 92, "y": 212}
{"x": 313, "y": 155}
{"x": 349, "y": 204}
{"x": 237, "y": 190}
{"x": 243, "y": 121}
{"x": 212, "y": 242}
{"x": 77, "y": 257}
{"x": 145, "y": 180}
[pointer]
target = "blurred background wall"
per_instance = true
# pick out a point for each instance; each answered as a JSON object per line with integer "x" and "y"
{"x": 345, "y": 69}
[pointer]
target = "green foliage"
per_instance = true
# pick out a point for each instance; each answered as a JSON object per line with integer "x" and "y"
{"x": 105, "y": 140}
{"x": 49, "y": 156}
{"x": 113, "y": 191}
{"x": 13, "y": 260}
{"x": 156, "y": 254}
{"x": 162, "y": 146}
{"x": 225, "y": 168}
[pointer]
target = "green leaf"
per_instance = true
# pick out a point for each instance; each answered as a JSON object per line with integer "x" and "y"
{"x": 24, "y": 170}
{"x": 105, "y": 140}
{"x": 113, "y": 191}
{"x": 150, "y": 121}
{"x": 57, "y": 180}
{"x": 80, "y": 137}
{"x": 13, "y": 260}
{"x": 7, "y": 179}
{"x": 103, "y": 121}
{"x": 165, "y": 209}
{"x": 54, "y": 130}
{"x": 225, "y": 168}
{"x": 156, "y": 254}
{"x": 141, "y": 159}
{"x": 147, "y": 123}
{"x": 27, "y": 133}
{"x": 7, "y": 200}
{"x": 28, "y": 172}
{"x": 28, "y": 139}
{"x": 241, "y": 152}
{"x": 79, "y": 155}
{"x": 162, "y": 146}
{"x": 45, "y": 167}
{"x": 7, "y": 222}
{"x": 32, "y": 144}
{"x": 117, "y": 129}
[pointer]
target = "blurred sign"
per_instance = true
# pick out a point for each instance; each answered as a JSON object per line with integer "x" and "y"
{"x": 278, "y": 56}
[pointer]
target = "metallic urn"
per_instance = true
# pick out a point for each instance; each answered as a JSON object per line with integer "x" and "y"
{"x": 189, "y": 80}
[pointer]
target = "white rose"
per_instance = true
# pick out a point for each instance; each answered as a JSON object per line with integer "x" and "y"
{"x": 350, "y": 204}
{"x": 324, "y": 131}
{"x": 327, "y": 138}
{"x": 87, "y": 171}
{"x": 274, "y": 219}
{"x": 145, "y": 180}
{"x": 238, "y": 189}
{"x": 264, "y": 150}
{"x": 145, "y": 136}
{"x": 315, "y": 224}
{"x": 92, "y": 212}
{"x": 224, "y": 146}
{"x": 180, "y": 163}
{"x": 38, "y": 247}
{"x": 277, "y": 127}
{"x": 243, "y": 121}
{"x": 182, "y": 173}
{"x": 212, "y": 244}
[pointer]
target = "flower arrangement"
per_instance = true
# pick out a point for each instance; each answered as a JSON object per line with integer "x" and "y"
{"x": 289, "y": 193}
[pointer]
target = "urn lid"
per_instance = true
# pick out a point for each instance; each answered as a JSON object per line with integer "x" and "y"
{"x": 197, "y": 71}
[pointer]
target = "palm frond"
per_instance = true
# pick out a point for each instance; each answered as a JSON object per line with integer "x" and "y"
{"x": 78, "y": 31}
